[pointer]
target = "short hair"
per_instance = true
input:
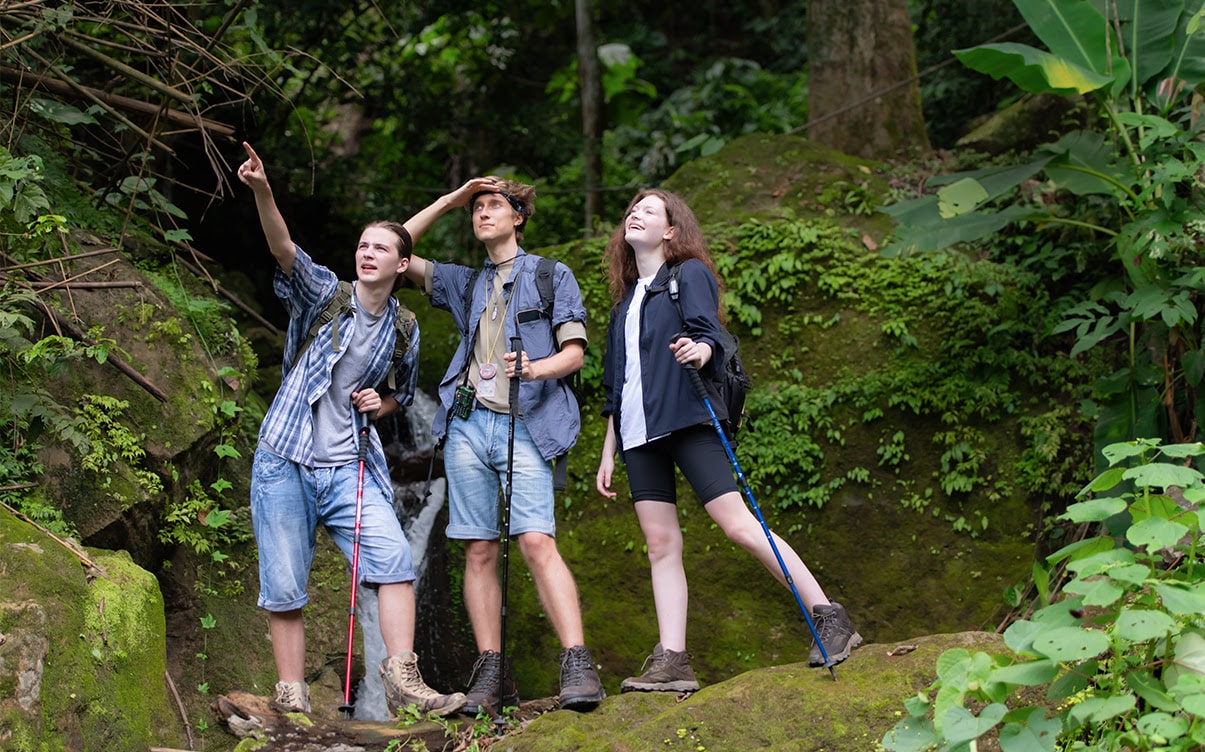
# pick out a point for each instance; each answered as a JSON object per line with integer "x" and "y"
{"x": 406, "y": 246}
{"x": 520, "y": 196}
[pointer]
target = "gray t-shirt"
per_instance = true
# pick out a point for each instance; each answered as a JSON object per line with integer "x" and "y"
{"x": 335, "y": 440}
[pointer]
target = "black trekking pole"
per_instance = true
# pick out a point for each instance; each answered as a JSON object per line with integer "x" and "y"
{"x": 697, "y": 381}
{"x": 516, "y": 346}
{"x": 362, "y": 420}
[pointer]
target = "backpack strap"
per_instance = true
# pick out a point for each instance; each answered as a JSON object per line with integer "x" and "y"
{"x": 404, "y": 324}
{"x": 334, "y": 309}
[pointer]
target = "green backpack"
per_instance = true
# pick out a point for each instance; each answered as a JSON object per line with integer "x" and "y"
{"x": 341, "y": 304}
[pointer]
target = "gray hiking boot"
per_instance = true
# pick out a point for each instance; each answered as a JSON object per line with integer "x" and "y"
{"x": 488, "y": 677}
{"x": 580, "y": 686}
{"x": 664, "y": 671}
{"x": 836, "y": 632}
{"x": 404, "y": 686}
{"x": 292, "y": 697}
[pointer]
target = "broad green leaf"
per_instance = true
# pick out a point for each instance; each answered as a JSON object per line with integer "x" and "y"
{"x": 1140, "y": 625}
{"x": 1162, "y": 506}
{"x": 1019, "y": 635}
{"x": 1182, "y": 600}
{"x": 1084, "y": 165}
{"x": 938, "y": 234}
{"x": 1080, "y": 549}
{"x": 1070, "y": 643}
{"x": 1100, "y": 562}
{"x": 1028, "y": 674}
{"x": 1071, "y": 29}
{"x": 1189, "y": 658}
{"x": 1131, "y": 574}
{"x": 1073, "y": 682}
{"x": 1163, "y": 725}
{"x": 1106, "y": 480}
{"x": 1035, "y": 733}
{"x": 1034, "y": 70}
{"x": 1148, "y": 28}
{"x": 1100, "y": 709}
{"x": 1162, "y": 475}
{"x": 959, "y": 725}
{"x": 1146, "y": 686}
{"x": 1188, "y": 57}
{"x": 1194, "y": 704}
{"x": 960, "y": 198}
{"x": 1094, "y": 510}
{"x": 911, "y": 735}
{"x": 1098, "y": 591}
{"x": 1115, "y": 453}
{"x": 1155, "y": 533}
{"x": 1194, "y": 449}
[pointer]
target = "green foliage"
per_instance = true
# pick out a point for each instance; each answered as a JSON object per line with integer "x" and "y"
{"x": 1121, "y": 657}
{"x": 1131, "y": 185}
{"x": 112, "y": 443}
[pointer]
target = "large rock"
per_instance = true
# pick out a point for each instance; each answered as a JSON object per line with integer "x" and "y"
{"x": 82, "y": 649}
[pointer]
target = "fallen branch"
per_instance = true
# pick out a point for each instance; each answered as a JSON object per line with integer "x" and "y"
{"x": 44, "y": 262}
{"x": 183, "y": 715}
{"x": 69, "y": 546}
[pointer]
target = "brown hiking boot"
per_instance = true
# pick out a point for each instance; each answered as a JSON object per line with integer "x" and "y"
{"x": 487, "y": 680}
{"x": 580, "y": 686}
{"x": 292, "y": 697}
{"x": 836, "y": 632}
{"x": 404, "y": 686}
{"x": 667, "y": 671}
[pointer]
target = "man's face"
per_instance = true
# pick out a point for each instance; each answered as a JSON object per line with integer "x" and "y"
{"x": 377, "y": 257}
{"x": 494, "y": 218}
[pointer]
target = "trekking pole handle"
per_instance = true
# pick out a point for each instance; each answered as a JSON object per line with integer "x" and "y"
{"x": 693, "y": 371}
{"x": 362, "y": 424}
{"x": 516, "y": 346}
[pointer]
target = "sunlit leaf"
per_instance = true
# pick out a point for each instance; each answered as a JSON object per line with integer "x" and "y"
{"x": 1070, "y": 643}
{"x": 1140, "y": 625}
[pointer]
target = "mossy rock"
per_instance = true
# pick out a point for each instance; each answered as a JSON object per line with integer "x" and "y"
{"x": 86, "y": 647}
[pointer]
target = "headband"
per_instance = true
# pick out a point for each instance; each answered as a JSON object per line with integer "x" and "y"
{"x": 515, "y": 203}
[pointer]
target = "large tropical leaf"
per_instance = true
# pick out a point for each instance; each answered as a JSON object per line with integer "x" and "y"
{"x": 1084, "y": 164}
{"x": 1034, "y": 70}
{"x": 1073, "y": 30}
{"x": 1148, "y": 30}
{"x": 1188, "y": 57}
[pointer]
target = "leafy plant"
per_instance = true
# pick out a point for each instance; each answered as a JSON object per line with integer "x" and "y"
{"x": 1121, "y": 658}
{"x": 1130, "y": 184}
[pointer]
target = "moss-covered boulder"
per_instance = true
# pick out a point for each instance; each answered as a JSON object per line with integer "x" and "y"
{"x": 82, "y": 648}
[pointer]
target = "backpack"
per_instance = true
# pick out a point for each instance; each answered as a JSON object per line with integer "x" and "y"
{"x": 730, "y": 382}
{"x": 341, "y": 304}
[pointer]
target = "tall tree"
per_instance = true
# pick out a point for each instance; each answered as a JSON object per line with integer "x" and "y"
{"x": 590, "y": 83}
{"x": 863, "y": 95}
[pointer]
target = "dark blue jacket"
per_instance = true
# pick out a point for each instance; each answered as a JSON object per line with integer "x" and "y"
{"x": 670, "y": 402}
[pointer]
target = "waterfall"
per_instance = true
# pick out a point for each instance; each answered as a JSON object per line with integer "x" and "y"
{"x": 408, "y": 447}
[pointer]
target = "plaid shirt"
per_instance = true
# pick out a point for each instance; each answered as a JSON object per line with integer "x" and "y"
{"x": 288, "y": 428}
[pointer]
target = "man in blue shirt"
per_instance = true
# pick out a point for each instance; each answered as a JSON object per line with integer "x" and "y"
{"x": 305, "y": 470}
{"x": 491, "y": 306}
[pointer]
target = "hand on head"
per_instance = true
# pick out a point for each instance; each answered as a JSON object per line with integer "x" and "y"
{"x": 462, "y": 195}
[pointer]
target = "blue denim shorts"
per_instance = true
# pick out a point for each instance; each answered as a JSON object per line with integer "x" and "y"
{"x": 289, "y": 501}
{"x": 475, "y": 459}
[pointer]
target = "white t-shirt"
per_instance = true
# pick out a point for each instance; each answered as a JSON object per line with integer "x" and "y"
{"x": 633, "y": 431}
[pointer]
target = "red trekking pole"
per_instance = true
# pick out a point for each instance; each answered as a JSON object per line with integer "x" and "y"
{"x": 362, "y": 419}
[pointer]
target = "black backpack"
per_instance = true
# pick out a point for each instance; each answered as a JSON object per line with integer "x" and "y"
{"x": 341, "y": 304}
{"x": 730, "y": 382}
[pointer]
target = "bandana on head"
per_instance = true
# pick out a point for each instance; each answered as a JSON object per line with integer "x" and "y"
{"x": 515, "y": 203}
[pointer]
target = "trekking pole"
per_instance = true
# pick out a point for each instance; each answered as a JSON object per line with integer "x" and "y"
{"x": 697, "y": 381}
{"x": 516, "y": 346}
{"x": 362, "y": 420}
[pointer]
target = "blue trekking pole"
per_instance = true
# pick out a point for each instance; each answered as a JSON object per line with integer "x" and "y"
{"x": 701, "y": 390}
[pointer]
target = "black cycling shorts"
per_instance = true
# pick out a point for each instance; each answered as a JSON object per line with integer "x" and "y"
{"x": 696, "y": 450}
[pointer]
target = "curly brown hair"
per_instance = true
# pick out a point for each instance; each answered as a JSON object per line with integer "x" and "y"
{"x": 687, "y": 243}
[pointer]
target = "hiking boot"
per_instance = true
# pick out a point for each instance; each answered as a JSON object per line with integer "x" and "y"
{"x": 580, "y": 686}
{"x": 836, "y": 632}
{"x": 292, "y": 697}
{"x": 667, "y": 671}
{"x": 484, "y": 683}
{"x": 404, "y": 686}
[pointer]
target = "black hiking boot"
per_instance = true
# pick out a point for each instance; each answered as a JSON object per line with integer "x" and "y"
{"x": 580, "y": 686}
{"x": 668, "y": 671}
{"x": 836, "y": 632}
{"x": 484, "y": 685}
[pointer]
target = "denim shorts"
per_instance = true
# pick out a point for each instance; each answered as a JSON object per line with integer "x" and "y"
{"x": 289, "y": 501}
{"x": 696, "y": 450}
{"x": 475, "y": 459}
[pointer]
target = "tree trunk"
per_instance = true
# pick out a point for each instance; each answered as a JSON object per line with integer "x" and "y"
{"x": 863, "y": 96}
{"x": 590, "y": 87}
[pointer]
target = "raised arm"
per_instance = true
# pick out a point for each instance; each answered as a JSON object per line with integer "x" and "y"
{"x": 253, "y": 174}
{"x": 422, "y": 221}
